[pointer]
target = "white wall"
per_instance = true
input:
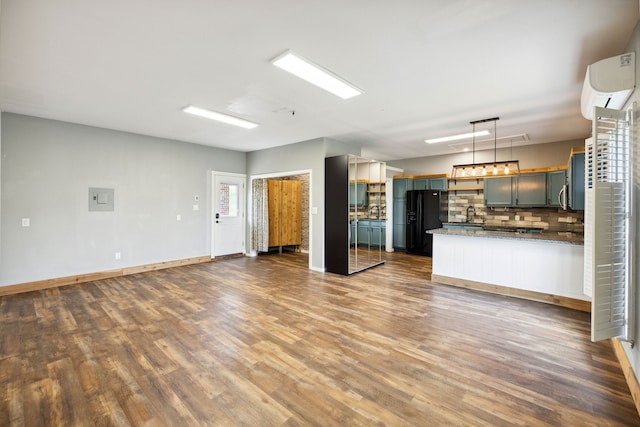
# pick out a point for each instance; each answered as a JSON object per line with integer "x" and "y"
{"x": 634, "y": 353}
{"x": 47, "y": 169}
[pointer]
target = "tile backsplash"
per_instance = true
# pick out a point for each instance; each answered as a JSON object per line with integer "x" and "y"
{"x": 548, "y": 219}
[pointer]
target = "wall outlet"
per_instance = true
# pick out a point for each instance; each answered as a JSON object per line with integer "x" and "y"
{"x": 26, "y": 222}
{"x": 117, "y": 255}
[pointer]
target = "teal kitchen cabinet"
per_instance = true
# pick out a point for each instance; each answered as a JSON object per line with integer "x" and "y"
{"x": 438, "y": 184}
{"x": 420, "y": 184}
{"x": 555, "y": 182}
{"x": 378, "y": 232}
{"x": 357, "y": 193}
{"x": 400, "y": 188}
{"x": 531, "y": 189}
{"x": 576, "y": 182}
{"x": 430, "y": 184}
{"x": 364, "y": 237}
{"x": 498, "y": 192}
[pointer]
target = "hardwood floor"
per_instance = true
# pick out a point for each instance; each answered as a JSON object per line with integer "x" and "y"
{"x": 266, "y": 342}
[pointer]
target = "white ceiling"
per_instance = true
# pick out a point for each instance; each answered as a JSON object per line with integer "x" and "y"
{"x": 428, "y": 67}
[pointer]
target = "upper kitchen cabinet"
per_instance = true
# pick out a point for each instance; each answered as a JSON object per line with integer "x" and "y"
{"x": 440, "y": 183}
{"x": 357, "y": 193}
{"x": 498, "y": 192}
{"x": 531, "y": 190}
{"x": 555, "y": 184}
{"x": 576, "y": 182}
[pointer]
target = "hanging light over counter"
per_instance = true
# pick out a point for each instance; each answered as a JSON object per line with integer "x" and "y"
{"x": 487, "y": 169}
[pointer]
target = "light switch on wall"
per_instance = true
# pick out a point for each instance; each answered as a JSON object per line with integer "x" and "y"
{"x": 26, "y": 222}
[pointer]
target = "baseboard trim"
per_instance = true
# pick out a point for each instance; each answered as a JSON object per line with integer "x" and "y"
{"x": 90, "y": 277}
{"x": 573, "y": 303}
{"x": 625, "y": 365}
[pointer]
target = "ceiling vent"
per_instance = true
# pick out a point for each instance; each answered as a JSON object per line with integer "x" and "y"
{"x": 608, "y": 83}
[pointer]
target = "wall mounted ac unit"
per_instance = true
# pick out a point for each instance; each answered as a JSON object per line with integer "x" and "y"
{"x": 608, "y": 83}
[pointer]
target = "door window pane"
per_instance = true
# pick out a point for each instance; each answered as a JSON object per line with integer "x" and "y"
{"x": 228, "y": 199}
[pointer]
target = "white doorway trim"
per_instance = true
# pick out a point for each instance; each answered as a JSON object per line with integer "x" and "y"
{"x": 249, "y": 245}
{"x": 214, "y": 194}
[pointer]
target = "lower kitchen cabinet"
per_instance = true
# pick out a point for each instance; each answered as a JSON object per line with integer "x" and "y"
{"x": 369, "y": 232}
{"x": 378, "y": 232}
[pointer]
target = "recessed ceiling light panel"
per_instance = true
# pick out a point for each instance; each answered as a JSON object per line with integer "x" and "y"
{"x": 316, "y": 75}
{"x": 220, "y": 117}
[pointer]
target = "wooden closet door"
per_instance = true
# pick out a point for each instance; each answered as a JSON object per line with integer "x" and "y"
{"x": 274, "y": 202}
{"x": 291, "y": 213}
{"x": 285, "y": 212}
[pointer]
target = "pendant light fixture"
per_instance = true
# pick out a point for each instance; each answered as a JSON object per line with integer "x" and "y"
{"x": 487, "y": 169}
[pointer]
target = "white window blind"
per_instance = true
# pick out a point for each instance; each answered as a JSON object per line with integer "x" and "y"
{"x": 607, "y": 211}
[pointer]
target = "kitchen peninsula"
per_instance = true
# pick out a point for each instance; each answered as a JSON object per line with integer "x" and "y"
{"x": 545, "y": 267}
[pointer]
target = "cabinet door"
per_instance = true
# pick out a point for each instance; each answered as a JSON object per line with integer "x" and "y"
{"x": 498, "y": 191}
{"x": 531, "y": 189}
{"x": 399, "y": 223}
{"x": 363, "y": 232}
{"x": 576, "y": 182}
{"x": 438, "y": 184}
{"x": 357, "y": 193}
{"x": 421, "y": 184}
{"x": 375, "y": 233}
{"x": 401, "y": 186}
{"x": 555, "y": 181}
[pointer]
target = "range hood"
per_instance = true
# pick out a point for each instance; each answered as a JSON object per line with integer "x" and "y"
{"x": 608, "y": 83}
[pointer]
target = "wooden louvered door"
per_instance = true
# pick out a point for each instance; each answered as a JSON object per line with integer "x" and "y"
{"x": 285, "y": 212}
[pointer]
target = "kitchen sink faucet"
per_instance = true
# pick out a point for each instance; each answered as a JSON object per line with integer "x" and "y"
{"x": 470, "y": 209}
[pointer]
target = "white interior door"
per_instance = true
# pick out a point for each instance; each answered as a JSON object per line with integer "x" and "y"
{"x": 228, "y": 214}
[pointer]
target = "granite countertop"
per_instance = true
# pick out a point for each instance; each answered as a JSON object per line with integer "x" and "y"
{"x": 568, "y": 238}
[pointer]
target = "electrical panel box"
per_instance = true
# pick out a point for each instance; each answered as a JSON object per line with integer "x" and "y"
{"x": 101, "y": 199}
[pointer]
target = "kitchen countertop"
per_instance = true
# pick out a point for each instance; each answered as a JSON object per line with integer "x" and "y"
{"x": 568, "y": 238}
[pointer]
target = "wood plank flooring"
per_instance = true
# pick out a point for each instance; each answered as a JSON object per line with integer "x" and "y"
{"x": 266, "y": 342}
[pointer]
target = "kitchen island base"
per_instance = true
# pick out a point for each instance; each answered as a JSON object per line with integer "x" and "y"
{"x": 545, "y": 271}
{"x": 573, "y": 303}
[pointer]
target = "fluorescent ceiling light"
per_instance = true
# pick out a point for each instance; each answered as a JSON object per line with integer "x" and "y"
{"x": 457, "y": 137}
{"x": 219, "y": 117}
{"x": 316, "y": 75}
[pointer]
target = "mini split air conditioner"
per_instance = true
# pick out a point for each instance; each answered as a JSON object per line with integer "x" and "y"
{"x": 608, "y": 83}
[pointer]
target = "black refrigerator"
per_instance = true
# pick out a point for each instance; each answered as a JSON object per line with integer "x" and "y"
{"x": 425, "y": 211}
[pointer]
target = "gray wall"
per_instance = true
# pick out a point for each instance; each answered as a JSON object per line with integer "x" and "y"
{"x": 47, "y": 169}
{"x": 530, "y": 156}
{"x": 307, "y": 155}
